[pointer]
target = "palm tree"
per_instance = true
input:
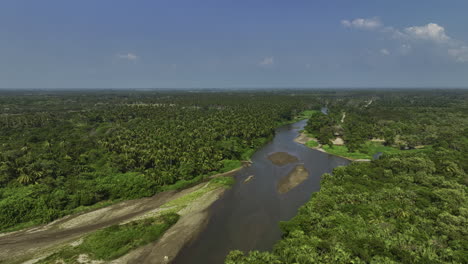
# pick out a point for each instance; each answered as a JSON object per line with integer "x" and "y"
{"x": 24, "y": 179}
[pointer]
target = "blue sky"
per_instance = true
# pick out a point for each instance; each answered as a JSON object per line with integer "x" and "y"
{"x": 237, "y": 43}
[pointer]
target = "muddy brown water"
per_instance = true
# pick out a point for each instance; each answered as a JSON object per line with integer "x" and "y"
{"x": 282, "y": 158}
{"x": 247, "y": 217}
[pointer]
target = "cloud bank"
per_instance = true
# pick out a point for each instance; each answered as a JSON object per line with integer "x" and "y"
{"x": 363, "y": 23}
{"x": 431, "y": 32}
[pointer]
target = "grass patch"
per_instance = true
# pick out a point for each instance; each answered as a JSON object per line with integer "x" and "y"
{"x": 312, "y": 143}
{"x": 307, "y": 133}
{"x": 215, "y": 183}
{"x": 305, "y": 115}
{"x": 344, "y": 152}
{"x": 223, "y": 181}
{"x": 229, "y": 165}
{"x": 301, "y": 116}
{"x": 246, "y": 155}
{"x": 20, "y": 226}
{"x": 181, "y": 184}
{"x": 95, "y": 206}
{"x": 308, "y": 113}
{"x": 115, "y": 241}
{"x": 368, "y": 150}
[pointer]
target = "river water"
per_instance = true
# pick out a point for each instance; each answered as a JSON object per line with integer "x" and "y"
{"x": 247, "y": 216}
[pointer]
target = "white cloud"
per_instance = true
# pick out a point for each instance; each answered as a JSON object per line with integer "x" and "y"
{"x": 431, "y": 31}
{"x": 267, "y": 61}
{"x": 459, "y": 54}
{"x": 363, "y": 23}
{"x": 129, "y": 56}
{"x": 385, "y": 52}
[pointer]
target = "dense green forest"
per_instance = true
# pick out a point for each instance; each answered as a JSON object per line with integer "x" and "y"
{"x": 63, "y": 151}
{"x": 401, "y": 120}
{"x": 406, "y": 206}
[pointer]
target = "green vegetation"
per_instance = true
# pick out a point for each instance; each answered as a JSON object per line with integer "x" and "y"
{"x": 409, "y": 206}
{"x": 367, "y": 150}
{"x": 229, "y": 165}
{"x": 306, "y": 114}
{"x": 62, "y": 152}
{"x": 181, "y": 202}
{"x": 404, "y": 121}
{"x": 182, "y": 184}
{"x": 312, "y": 143}
{"x": 115, "y": 241}
{"x": 223, "y": 181}
{"x": 343, "y": 151}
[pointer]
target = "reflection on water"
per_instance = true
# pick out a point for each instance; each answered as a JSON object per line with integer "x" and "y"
{"x": 247, "y": 216}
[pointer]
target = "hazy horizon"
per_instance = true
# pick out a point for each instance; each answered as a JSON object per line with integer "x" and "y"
{"x": 231, "y": 88}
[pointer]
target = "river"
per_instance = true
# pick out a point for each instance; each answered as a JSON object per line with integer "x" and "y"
{"x": 247, "y": 216}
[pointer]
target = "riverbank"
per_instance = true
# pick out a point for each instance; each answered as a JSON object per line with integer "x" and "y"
{"x": 35, "y": 244}
{"x": 306, "y": 140}
{"x": 371, "y": 148}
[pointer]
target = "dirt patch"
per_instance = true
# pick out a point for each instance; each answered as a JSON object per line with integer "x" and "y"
{"x": 294, "y": 178}
{"x": 369, "y": 103}
{"x": 343, "y": 117}
{"x": 302, "y": 139}
{"x": 338, "y": 141}
{"x": 231, "y": 172}
{"x": 282, "y": 158}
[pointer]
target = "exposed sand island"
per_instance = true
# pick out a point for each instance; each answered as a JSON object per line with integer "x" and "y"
{"x": 249, "y": 178}
{"x": 294, "y": 178}
{"x": 282, "y": 158}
